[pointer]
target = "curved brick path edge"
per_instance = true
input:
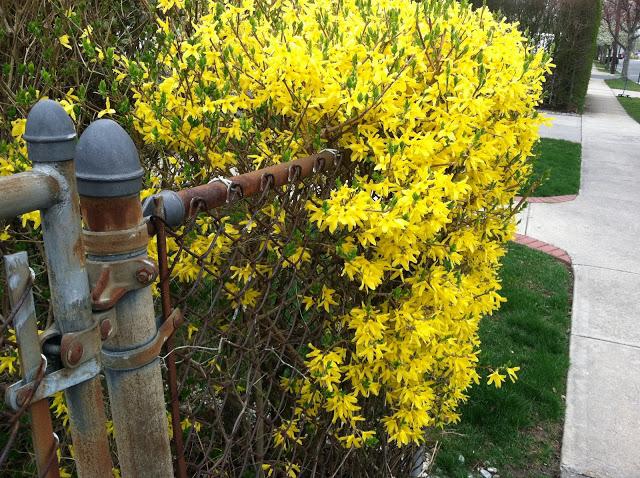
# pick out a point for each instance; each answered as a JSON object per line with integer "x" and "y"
{"x": 553, "y": 199}
{"x": 555, "y": 252}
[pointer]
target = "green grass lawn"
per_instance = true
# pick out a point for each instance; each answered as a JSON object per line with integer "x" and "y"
{"x": 557, "y": 166}
{"x": 619, "y": 84}
{"x": 632, "y": 107}
{"x": 601, "y": 66}
{"x": 518, "y": 428}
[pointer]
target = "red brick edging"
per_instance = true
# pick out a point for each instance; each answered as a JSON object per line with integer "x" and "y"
{"x": 555, "y": 252}
{"x": 551, "y": 199}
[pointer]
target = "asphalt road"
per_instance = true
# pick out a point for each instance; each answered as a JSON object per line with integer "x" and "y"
{"x": 634, "y": 69}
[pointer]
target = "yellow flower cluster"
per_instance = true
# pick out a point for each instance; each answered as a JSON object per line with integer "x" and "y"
{"x": 436, "y": 104}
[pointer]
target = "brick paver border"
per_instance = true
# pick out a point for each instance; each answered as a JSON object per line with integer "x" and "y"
{"x": 553, "y": 251}
{"x": 550, "y": 199}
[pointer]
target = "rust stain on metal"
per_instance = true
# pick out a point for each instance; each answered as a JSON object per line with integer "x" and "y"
{"x": 44, "y": 439}
{"x": 110, "y": 281}
{"x": 105, "y": 303}
{"x": 136, "y": 394}
{"x": 101, "y": 284}
{"x": 141, "y": 356}
{"x": 23, "y": 395}
{"x": 78, "y": 250}
{"x": 105, "y": 329}
{"x": 114, "y": 214}
{"x": 75, "y": 354}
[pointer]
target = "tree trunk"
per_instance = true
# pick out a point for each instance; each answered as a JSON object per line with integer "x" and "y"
{"x": 616, "y": 39}
{"x": 627, "y": 54}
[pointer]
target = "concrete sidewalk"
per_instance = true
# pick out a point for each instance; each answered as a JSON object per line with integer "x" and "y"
{"x": 565, "y": 126}
{"x": 599, "y": 230}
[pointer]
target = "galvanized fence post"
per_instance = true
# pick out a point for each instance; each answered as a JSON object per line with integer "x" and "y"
{"x": 50, "y": 137}
{"x": 116, "y": 239}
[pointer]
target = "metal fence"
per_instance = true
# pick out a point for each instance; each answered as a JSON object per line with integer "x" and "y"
{"x": 235, "y": 258}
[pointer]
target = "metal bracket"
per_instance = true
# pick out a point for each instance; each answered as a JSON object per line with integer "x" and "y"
{"x": 147, "y": 353}
{"x": 116, "y": 242}
{"x": 81, "y": 346}
{"x": 111, "y": 280}
{"x": 79, "y": 353}
{"x": 57, "y": 381}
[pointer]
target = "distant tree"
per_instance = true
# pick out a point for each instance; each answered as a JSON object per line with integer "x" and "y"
{"x": 568, "y": 30}
{"x": 536, "y": 17}
{"x": 622, "y": 18}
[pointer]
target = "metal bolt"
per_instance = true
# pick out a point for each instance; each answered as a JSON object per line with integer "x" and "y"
{"x": 74, "y": 354}
{"x": 105, "y": 329}
{"x": 144, "y": 275}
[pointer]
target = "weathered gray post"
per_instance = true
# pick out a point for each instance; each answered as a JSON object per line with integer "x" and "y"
{"x": 19, "y": 281}
{"x": 51, "y": 138}
{"x": 116, "y": 239}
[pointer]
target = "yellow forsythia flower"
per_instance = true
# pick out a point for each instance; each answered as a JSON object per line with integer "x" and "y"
{"x": 64, "y": 41}
{"x": 496, "y": 378}
{"x": 511, "y": 371}
{"x": 107, "y": 110}
{"x": 166, "y": 5}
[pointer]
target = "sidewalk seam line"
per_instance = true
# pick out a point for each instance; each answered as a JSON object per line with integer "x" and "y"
{"x": 606, "y": 268}
{"x": 609, "y": 341}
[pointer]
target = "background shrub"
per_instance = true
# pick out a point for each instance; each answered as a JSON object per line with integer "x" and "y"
{"x": 568, "y": 30}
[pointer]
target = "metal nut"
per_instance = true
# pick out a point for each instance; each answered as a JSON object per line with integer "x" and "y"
{"x": 144, "y": 275}
{"x": 74, "y": 354}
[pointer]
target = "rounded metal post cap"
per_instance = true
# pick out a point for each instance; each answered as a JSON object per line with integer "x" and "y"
{"x": 107, "y": 163}
{"x": 50, "y": 134}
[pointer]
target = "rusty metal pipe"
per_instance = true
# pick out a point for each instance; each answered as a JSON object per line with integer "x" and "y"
{"x": 165, "y": 296}
{"x": 109, "y": 178}
{"x": 217, "y": 193}
{"x": 25, "y": 192}
{"x": 24, "y": 322}
{"x": 136, "y": 396}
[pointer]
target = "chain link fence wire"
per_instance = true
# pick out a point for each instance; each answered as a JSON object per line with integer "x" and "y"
{"x": 239, "y": 274}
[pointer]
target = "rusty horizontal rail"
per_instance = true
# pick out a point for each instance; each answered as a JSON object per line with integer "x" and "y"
{"x": 181, "y": 205}
{"x": 218, "y": 192}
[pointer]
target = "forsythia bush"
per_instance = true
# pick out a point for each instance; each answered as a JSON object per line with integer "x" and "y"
{"x": 436, "y": 103}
